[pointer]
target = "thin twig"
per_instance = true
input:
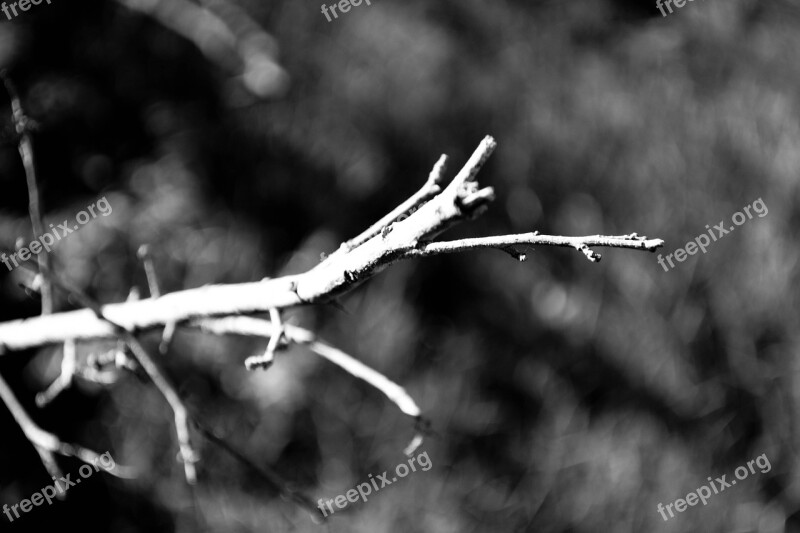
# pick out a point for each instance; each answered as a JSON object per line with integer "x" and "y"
{"x": 46, "y": 443}
{"x": 188, "y": 455}
{"x": 23, "y": 126}
{"x": 277, "y": 334}
{"x": 64, "y": 379}
{"x": 273, "y": 479}
{"x": 166, "y": 337}
{"x": 155, "y": 292}
{"x": 475, "y": 163}
{"x": 505, "y": 243}
{"x": 43, "y": 442}
{"x": 256, "y": 327}
{"x": 393, "y": 391}
{"x": 431, "y": 188}
{"x": 143, "y": 253}
{"x": 261, "y": 328}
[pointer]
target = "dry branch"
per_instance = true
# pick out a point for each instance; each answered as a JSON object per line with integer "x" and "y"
{"x": 148, "y": 363}
{"x": 406, "y": 232}
{"x": 23, "y": 127}
{"x": 155, "y": 292}
{"x": 254, "y": 327}
{"x": 46, "y": 443}
{"x": 342, "y": 271}
{"x": 582, "y": 244}
{"x": 431, "y": 188}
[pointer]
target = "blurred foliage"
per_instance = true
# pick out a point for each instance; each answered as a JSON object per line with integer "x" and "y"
{"x": 566, "y": 396}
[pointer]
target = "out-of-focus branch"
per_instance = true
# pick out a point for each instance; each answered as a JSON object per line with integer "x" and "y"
{"x": 255, "y": 327}
{"x": 226, "y": 35}
{"x": 188, "y": 454}
{"x": 342, "y": 271}
{"x": 23, "y": 127}
{"x": 258, "y": 50}
{"x": 155, "y": 291}
{"x": 162, "y": 383}
{"x": 46, "y": 443}
{"x": 273, "y": 479}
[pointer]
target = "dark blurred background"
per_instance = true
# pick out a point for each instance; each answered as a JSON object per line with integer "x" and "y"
{"x": 565, "y": 396}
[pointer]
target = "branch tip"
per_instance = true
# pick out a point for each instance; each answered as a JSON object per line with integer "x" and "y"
{"x": 436, "y": 177}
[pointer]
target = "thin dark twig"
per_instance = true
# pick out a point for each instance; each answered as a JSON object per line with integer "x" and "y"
{"x": 271, "y": 478}
{"x": 23, "y": 126}
{"x": 45, "y": 443}
{"x": 32, "y": 432}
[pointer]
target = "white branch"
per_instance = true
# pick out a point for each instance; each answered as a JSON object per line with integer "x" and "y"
{"x": 431, "y": 188}
{"x": 64, "y": 380}
{"x": 582, "y": 244}
{"x": 254, "y": 327}
{"x": 342, "y": 271}
{"x": 265, "y": 361}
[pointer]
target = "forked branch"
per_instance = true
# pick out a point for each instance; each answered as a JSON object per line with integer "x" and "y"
{"x": 342, "y": 271}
